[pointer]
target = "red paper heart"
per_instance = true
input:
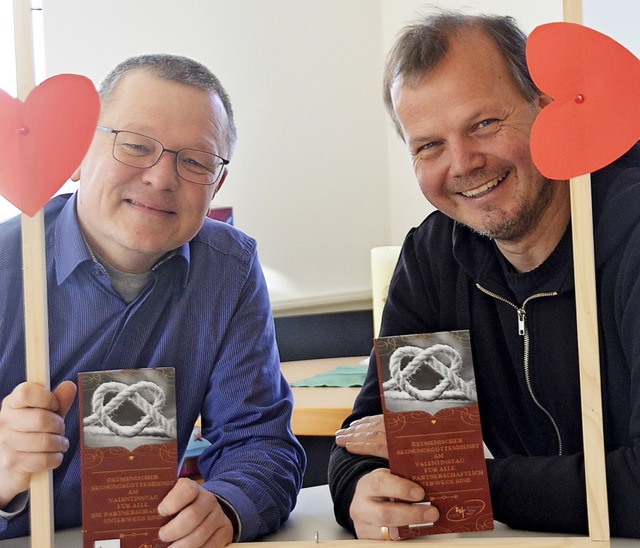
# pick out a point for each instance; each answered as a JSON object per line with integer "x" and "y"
{"x": 43, "y": 140}
{"x": 595, "y": 85}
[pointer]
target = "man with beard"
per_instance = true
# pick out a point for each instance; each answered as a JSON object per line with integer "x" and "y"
{"x": 496, "y": 258}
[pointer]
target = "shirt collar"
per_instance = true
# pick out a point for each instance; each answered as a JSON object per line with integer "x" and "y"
{"x": 70, "y": 250}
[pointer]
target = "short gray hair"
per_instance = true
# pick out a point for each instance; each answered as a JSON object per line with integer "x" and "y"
{"x": 175, "y": 68}
{"x": 422, "y": 45}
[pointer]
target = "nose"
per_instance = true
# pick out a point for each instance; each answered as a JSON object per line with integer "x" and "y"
{"x": 163, "y": 174}
{"x": 465, "y": 156}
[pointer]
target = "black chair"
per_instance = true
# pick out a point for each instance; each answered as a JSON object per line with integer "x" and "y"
{"x": 325, "y": 335}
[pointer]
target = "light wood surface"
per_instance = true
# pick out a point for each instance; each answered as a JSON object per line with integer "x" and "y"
{"x": 319, "y": 411}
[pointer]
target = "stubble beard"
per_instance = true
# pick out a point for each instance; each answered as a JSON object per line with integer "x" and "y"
{"x": 524, "y": 221}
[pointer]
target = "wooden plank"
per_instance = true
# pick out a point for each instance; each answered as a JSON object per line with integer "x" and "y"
{"x": 317, "y": 421}
{"x": 319, "y": 411}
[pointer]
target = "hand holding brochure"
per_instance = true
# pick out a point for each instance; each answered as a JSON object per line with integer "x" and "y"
{"x": 432, "y": 425}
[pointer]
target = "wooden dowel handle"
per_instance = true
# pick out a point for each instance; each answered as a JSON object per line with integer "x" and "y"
{"x": 35, "y": 288}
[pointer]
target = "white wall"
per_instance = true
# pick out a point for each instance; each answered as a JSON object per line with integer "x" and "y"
{"x": 318, "y": 177}
{"x": 308, "y": 179}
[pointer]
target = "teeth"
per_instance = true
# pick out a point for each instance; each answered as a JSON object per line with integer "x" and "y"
{"x": 484, "y": 188}
{"x": 142, "y": 205}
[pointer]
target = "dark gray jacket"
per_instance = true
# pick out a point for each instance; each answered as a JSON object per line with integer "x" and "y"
{"x": 450, "y": 278}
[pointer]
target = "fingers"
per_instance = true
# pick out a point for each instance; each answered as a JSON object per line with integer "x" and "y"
{"x": 373, "y": 421}
{"x": 199, "y": 520}
{"x": 382, "y": 499}
{"x": 381, "y": 484}
{"x": 365, "y": 437}
{"x": 183, "y": 493}
{"x": 29, "y": 419}
{"x": 31, "y": 434}
{"x": 65, "y": 393}
{"x": 29, "y": 394}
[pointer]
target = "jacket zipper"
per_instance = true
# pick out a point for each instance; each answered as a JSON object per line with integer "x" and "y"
{"x": 523, "y": 331}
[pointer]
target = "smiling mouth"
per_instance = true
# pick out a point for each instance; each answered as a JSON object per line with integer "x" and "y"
{"x": 138, "y": 204}
{"x": 482, "y": 190}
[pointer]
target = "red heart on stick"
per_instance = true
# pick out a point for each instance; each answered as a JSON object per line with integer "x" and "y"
{"x": 43, "y": 140}
{"x": 595, "y": 85}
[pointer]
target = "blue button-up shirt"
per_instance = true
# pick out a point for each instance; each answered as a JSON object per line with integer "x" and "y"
{"x": 206, "y": 313}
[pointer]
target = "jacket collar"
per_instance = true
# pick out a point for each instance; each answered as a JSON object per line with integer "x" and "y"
{"x": 481, "y": 260}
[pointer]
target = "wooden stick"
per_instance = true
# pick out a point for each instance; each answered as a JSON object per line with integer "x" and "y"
{"x": 35, "y": 288}
{"x": 37, "y": 354}
{"x": 572, "y": 11}
{"x": 588, "y": 346}
{"x": 589, "y": 357}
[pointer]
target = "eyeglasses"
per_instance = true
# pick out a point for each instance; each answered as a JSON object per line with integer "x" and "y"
{"x": 136, "y": 150}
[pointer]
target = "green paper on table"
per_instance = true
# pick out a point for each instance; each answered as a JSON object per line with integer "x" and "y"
{"x": 342, "y": 376}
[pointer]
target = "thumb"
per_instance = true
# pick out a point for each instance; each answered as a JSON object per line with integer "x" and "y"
{"x": 65, "y": 392}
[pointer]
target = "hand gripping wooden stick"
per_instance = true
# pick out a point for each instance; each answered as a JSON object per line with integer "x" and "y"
{"x": 35, "y": 288}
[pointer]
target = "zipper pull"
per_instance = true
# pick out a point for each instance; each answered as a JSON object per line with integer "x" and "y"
{"x": 521, "y": 319}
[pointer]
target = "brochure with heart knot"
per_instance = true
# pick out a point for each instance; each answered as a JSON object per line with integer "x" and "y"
{"x": 432, "y": 424}
{"x": 128, "y": 453}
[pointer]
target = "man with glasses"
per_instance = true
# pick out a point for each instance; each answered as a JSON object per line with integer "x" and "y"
{"x": 138, "y": 277}
{"x": 139, "y": 150}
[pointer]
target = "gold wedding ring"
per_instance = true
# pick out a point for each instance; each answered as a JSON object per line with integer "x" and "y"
{"x": 385, "y": 533}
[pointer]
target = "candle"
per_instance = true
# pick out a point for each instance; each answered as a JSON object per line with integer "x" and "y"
{"x": 383, "y": 263}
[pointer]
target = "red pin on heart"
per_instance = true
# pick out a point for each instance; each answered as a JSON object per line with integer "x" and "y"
{"x": 595, "y": 85}
{"x": 43, "y": 140}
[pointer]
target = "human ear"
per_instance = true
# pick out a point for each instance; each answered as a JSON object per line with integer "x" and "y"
{"x": 543, "y": 100}
{"x": 220, "y": 182}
